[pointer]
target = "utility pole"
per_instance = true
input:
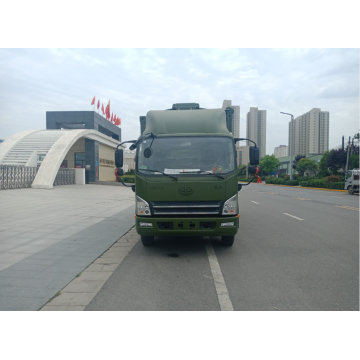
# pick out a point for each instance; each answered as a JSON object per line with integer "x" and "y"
{"x": 347, "y": 158}
{"x": 342, "y": 145}
{"x": 291, "y": 144}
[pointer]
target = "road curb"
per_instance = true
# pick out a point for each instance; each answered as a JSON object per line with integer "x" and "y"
{"x": 311, "y": 188}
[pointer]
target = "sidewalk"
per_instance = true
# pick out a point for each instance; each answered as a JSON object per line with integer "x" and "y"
{"x": 47, "y": 237}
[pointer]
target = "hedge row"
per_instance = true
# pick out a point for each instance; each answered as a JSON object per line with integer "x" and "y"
{"x": 127, "y": 178}
{"x": 323, "y": 184}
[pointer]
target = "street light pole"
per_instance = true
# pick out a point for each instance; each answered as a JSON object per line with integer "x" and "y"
{"x": 291, "y": 143}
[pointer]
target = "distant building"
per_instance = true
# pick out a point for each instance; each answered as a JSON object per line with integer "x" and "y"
{"x": 281, "y": 151}
{"x": 236, "y": 123}
{"x": 243, "y": 155}
{"x": 284, "y": 162}
{"x": 129, "y": 160}
{"x": 310, "y": 133}
{"x": 72, "y": 139}
{"x": 256, "y": 129}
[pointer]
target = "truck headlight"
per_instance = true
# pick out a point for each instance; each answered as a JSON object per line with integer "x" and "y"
{"x": 231, "y": 206}
{"x": 142, "y": 207}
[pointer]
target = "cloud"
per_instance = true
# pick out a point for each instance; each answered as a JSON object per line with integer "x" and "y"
{"x": 33, "y": 81}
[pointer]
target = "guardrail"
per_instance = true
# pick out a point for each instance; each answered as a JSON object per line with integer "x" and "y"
{"x": 20, "y": 176}
{"x": 16, "y": 176}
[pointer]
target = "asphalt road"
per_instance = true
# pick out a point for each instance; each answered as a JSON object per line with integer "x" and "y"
{"x": 296, "y": 249}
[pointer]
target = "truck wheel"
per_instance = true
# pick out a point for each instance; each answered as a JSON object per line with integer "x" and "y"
{"x": 350, "y": 190}
{"x": 147, "y": 240}
{"x": 228, "y": 240}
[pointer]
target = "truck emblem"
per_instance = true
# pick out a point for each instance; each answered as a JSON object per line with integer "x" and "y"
{"x": 185, "y": 190}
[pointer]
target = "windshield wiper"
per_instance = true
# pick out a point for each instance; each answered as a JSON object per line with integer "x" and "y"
{"x": 203, "y": 171}
{"x": 159, "y": 172}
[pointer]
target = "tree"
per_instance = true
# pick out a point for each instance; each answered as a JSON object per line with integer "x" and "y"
{"x": 241, "y": 170}
{"x": 306, "y": 165}
{"x": 337, "y": 160}
{"x": 297, "y": 159}
{"x": 323, "y": 165}
{"x": 354, "y": 161}
{"x": 269, "y": 163}
{"x": 357, "y": 136}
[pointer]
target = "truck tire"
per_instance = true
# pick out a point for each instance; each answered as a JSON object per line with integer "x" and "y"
{"x": 350, "y": 190}
{"x": 147, "y": 240}
{"x": 228, "y": 240}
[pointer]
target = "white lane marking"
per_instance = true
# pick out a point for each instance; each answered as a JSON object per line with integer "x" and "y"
{"x": 220, "y": 286}
{"x": 254, "y": 202}
{"x": 293, "y": 216}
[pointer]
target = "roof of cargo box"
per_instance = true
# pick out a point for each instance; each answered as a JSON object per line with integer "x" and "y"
{"x": 200, "y": 121}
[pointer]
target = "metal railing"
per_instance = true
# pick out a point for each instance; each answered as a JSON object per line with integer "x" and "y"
{"x": 20, "y": 176}
{"x": 16, "y": 176}
{"x": 65, "y": 177}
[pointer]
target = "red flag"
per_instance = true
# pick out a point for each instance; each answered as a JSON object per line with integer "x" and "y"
{"x": 102, "y": 108}
{"x": 112, "y": 119}
{"x": 93, "y": 101}
{"x": 118, "y": 121}
{"x": 98, "y": 105}
{"x": 107, "y": 110}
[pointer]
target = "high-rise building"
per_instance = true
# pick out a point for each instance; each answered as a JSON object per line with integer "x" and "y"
{"x": 236, "y": 122}
{"x": 243, "y": 155}
{"x": 310, "y": 133}
{"x": 256, "y": 129}
{"x": 281, "y": 151}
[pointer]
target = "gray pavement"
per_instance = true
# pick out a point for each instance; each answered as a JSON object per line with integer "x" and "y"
{"x": 305, "y": 260}
{"x": 47, "y": 237}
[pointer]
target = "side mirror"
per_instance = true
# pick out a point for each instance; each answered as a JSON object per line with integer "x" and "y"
{"x": 120, "y": 172}
{"x": 239, "y": 187}
{"x": 119, "y": 158}
{"x": 252, "y": 170}
{"x": 133, "y": 188}
{"x": 254, "y": 155}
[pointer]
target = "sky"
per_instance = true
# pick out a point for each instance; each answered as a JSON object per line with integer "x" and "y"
{"x": 33, "y": 81}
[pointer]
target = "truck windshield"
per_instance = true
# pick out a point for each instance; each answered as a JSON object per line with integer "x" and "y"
{"x": 184, "y": 155}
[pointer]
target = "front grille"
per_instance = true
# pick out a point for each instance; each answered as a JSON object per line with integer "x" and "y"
{"x": 186, "y": 208}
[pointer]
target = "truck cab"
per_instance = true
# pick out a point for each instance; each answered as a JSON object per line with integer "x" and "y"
{"x": 352, "y": 181}
{"x": 186, "y": 181}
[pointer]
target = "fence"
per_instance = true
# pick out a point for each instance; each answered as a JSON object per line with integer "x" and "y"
{"x": 65, "y": 177}
{"x": 16, "y": 176}
{"x": 19, "y": 176}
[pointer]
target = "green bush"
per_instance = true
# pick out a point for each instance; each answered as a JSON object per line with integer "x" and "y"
{"x": 318, "y": 183}
{"x": 286, "y": 177}
{"x": 291, "y": 183}
{"x": 304, "y": 183}
{"x": 274, "y": 180}
{"x": 127, "y": 178}
{"x": 332, "y": 179}
{"x": 337, "y": 185}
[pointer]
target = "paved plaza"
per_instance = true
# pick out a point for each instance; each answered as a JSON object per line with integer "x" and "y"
{"x": 48, "y": 237}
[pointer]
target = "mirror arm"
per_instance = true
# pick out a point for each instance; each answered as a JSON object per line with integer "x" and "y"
{"x": 242, "y": 139}
{"x": 124, "y": 142}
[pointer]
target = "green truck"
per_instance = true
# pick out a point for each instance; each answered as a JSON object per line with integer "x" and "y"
{"x": 186, "y": 181}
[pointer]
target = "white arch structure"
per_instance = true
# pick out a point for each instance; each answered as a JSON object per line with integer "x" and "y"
{"x": 50, "y": 165}
{"x": 12, "y": 141}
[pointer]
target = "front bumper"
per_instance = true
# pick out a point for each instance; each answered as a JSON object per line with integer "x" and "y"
{"x": 187, "y": 226}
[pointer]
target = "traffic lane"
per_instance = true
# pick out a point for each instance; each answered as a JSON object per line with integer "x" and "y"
{"x": 340, "y": 198}
{"x": 284, "y": 263}
{"x": 326, "y": 217}
{"x": 153, "y": 278}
